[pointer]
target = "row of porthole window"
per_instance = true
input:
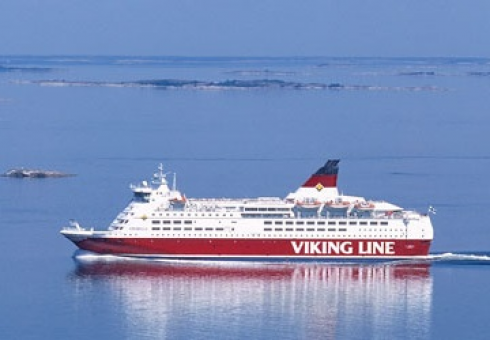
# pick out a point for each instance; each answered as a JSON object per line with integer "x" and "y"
{"x": 364, "y": 223}
{"x": 193, "y": 215}
{"x": 187, "y": 228}
{"x": 323, "y": 229}
{"x": 169, "y": 221}
{"x": 384, "y": 236}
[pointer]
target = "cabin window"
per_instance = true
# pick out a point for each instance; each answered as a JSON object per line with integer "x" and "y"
{"x": 321, "y": 223}
{"x": 278, "y": 222}
{"x": 267, "y": 222}
{"x": 331, "y": 223}
{"x": 373, "y": 223}
{"x": 321, "y": 229}
{"x": 267, "y": 229}
{"x": 352, "y": 223}
{"x": 155, "y": 222}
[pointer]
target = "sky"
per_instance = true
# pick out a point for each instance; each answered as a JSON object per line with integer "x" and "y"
{"x": 344, "y": 28}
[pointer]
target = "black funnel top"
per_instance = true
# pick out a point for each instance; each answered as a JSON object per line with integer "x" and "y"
{"x": 330, "y": 168}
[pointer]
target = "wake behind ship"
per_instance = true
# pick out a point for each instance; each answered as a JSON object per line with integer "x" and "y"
{"x": 313, "y": 223}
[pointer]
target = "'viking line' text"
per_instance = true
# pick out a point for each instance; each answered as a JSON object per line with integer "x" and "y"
{"x": 344, "y": 248}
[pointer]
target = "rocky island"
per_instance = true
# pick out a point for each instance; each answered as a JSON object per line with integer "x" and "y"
{"x": 34, "y": 173}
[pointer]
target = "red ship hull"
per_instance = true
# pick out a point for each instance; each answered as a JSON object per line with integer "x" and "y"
{"x": 257, "y": 248}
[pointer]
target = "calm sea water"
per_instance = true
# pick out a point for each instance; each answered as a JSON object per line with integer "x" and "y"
{"x": 411, "y": 131}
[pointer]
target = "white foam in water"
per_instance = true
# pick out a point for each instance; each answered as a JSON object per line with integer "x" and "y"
{"x": 452, "y": 257}
{"x": 87, "y": 256}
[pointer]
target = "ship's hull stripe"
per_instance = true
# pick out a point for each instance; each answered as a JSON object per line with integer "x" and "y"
{"x": 327, "y": 181}
{"x": 255, "y": 248}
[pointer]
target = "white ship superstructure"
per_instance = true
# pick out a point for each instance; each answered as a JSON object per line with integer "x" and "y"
{"x": 314, "y": 222}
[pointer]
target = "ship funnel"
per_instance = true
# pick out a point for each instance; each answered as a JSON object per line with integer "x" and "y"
{"x": 325, "y": 177}
{"x": 321, "y": 186}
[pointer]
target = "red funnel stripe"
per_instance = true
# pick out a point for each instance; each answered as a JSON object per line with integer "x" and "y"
{"x": 327, "y": 181}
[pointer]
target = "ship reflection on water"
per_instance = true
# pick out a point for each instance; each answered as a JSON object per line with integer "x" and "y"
{"x": 288, "y": 301}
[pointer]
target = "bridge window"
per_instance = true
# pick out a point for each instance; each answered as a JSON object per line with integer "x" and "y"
{"x": 141, "y": 196}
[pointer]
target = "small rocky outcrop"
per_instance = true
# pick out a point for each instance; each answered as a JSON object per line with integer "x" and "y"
{"x": 34, "y": 173}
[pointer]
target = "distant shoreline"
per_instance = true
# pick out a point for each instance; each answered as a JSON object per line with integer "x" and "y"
{"x": 234, "y": 84}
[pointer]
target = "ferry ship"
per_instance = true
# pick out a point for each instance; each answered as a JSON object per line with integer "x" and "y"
{"x": 315, "y": 222}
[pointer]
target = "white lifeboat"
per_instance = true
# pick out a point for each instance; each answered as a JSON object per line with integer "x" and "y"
{"x": 338, "y": 204}
{"x": 365, "y": 206}
{"x": 181, "y": 199}
{"x": 309, "y": 203}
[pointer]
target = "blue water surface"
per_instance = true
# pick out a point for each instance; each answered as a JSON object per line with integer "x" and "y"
{"x": 412, "y": 131}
